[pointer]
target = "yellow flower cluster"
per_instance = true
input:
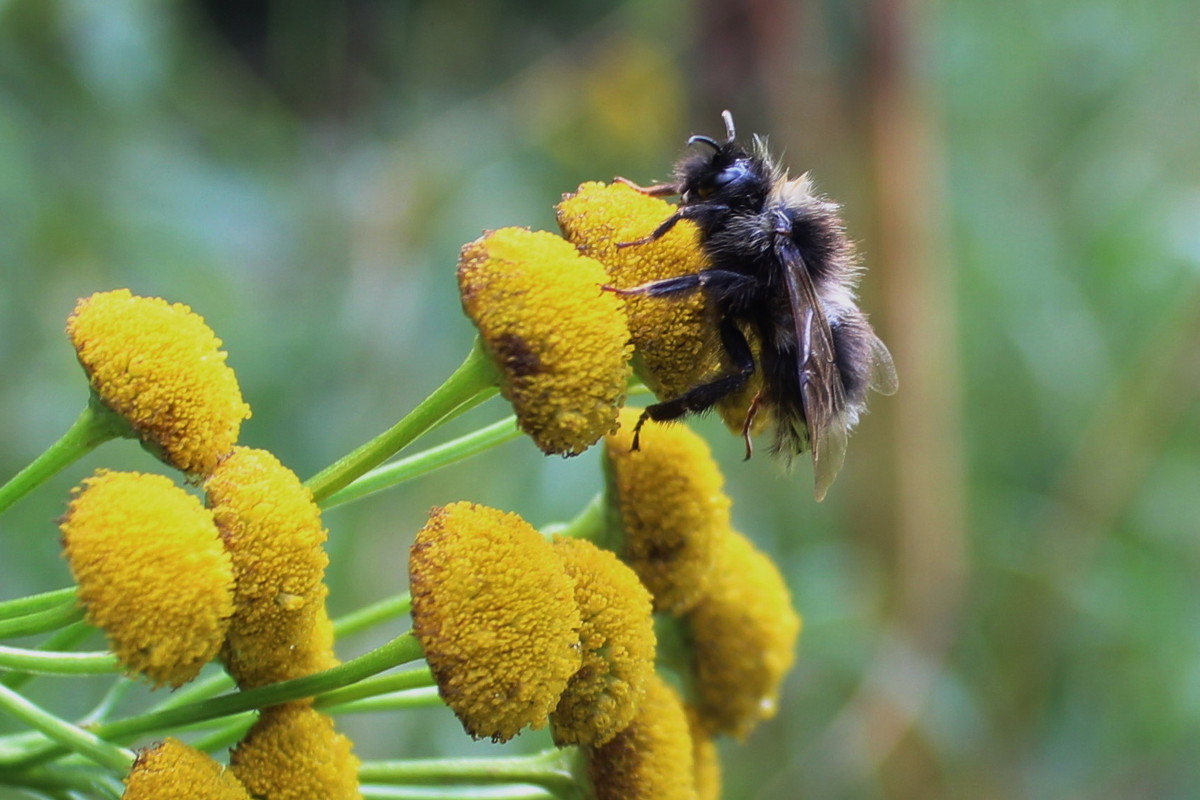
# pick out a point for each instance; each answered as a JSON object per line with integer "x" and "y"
{"x": 158, "y": 366}
{"x": 496, "y": 615}
{"x": 152, "y": 573}
{"x": 293, "y": 753}
{"x": 172, "y": 583}
{"x": 675, "y": 346}
{"x": 616, "y": 638}
{"x": 273, "y": 533}
{"x": 170, "y": 768}
{"x": 668, "y": 498}
{"x": 561, "y": 345}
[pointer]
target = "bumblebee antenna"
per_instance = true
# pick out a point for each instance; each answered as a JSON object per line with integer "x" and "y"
{"x": 725, "y": 115}
{"x": 704, "y": 140}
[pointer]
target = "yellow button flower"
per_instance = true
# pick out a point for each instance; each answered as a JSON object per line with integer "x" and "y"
{"x": 293, "y": 753}
{"x": 561, "y": 344}
{"x": 161, "y": 368}
{"x": 706, "y": 758}
{"x": 744, "y": 633}
{"x": 669, "y": 500}
{"x": 274, "y": 535}
{"x": 152, "y": 573}
{"x": 674, "y": 338}
{"x": 618, "y": 646}
{"x": 172, "y": 769}
{"x": 652, "y": 758}
{"x": 495, "y": 612}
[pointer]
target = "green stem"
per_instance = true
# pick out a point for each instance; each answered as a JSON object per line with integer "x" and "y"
{"x": 41, "y": 621}
{"x": 400, "y": 650}
{"x": 95, "y": 425}
{"x": 35, "y": 602}
{"x": 83, "y": 780}
{"x": 381, "y": 684}
{"x": 454, "y": 793}
{"x": 553, "y": 770}
{"x": 19, "y": 659}
{"x": 590, "y": 523}
{"x": 70, "y": 736}
{"x": 473, "y": 382}
{"x": 427, "y": 461}
{"x": 232, "y": 730}
{"x": 427, "y": 697}
{"x": 366, "y": 617}
{"x": 62, "y": 639}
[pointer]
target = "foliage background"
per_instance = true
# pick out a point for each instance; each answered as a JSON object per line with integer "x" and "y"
{"x": 1001, "y": 593}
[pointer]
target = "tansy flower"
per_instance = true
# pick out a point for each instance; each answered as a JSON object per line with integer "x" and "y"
{"x": 675, "y": 339}
{"x": 707, "y": 760}
{"x": 171, "y": 769}
{"x": 561, "y": 344}
{"x": 274, "y": 535}
{"x": 293, "y": 753}
{"x": 495, "y": 612}
{"x": 744, "y": 635}
{"x": 652, "y": 758}
{"x": 668, "y": 499}
{"x": 161, "y": 368}
{"x": 617, "y": 639}
{"x": 152, "y": 572}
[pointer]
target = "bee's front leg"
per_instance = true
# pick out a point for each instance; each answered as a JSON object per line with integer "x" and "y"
{"x": 655, "y": 190}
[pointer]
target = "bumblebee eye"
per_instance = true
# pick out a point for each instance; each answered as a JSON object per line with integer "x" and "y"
{"x": 727, "y": 176}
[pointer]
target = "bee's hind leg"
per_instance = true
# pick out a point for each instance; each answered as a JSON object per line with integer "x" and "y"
{"x": 701, "y": 398}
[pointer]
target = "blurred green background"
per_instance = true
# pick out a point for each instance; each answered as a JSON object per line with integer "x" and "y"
{"x": 1002, "y": 591}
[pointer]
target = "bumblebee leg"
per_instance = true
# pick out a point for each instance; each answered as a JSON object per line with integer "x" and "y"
{"x": 696, "y": 212}
{"x": 703, "y": 397}
{"x": 657, "y": 190}
{"x": 721, "y": 283}
{"x": 751, "y": 413}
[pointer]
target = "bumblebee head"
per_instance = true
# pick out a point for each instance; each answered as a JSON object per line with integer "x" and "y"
{"x": 725, "y": 173}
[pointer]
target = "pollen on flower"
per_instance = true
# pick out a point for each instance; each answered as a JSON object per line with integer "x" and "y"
{"x": 495, "y": 612}
{"x": 159, "y": 366}
{"x": 652, "y": 758}
{"x": 669, "y": 499}
{"x": 744, "y": 632}
{"x": 561, "y": 344}
{"x": 171, "y": 768}
{"x": 675, "y": 339}
{"x": 293, "y": 753}
{"x": 617, "y": 638}
{"x": 273, "y": 532}
{"x": 152, "y": 573}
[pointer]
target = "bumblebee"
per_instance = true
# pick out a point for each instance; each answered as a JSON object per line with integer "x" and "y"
{"x": 782, "y": 271}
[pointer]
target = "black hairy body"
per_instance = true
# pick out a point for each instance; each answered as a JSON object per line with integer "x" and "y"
{"x": 782, "y": 270}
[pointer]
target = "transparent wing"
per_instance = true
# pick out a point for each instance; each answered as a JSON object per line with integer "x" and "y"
{"x": 883, "y": 370}
{"x": 822, "y": 394}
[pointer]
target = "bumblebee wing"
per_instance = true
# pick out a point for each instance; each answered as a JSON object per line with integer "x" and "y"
{"x": 822, "y": 395}
{"x": 883, "y": 370}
